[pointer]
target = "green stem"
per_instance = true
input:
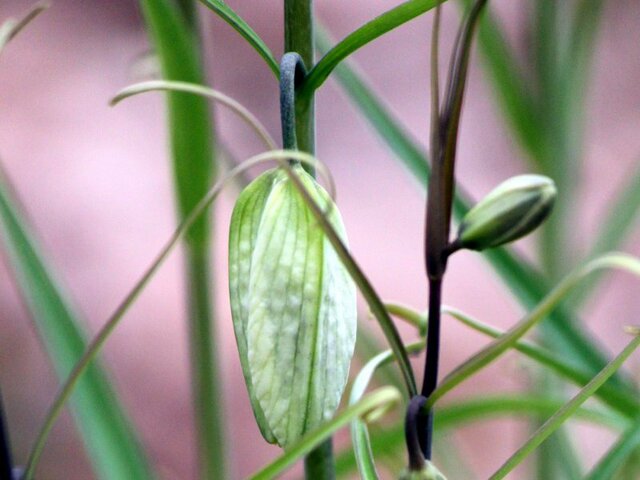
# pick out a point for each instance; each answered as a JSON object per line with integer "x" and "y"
{"x": 298, "y": 38}
{"x": 205, "y": 377}
{"x": 173, "y": 27}
{"x": 188, "y": 9}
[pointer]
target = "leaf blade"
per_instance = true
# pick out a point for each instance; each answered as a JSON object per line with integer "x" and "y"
{"x": 114, "y": 449}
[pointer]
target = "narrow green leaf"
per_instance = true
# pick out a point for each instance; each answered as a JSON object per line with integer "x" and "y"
{"x": 190, "y": 126}
{"x": 620, "y": 400}
{"x": 370, "y": 407}
{"x": 617, "y": 455}
{"x": 113, "y": 447}
{"x": 558, "y": 419}
{"x": 370, "y": 31}
{"x": 527, "y": 284}
{"x": 176, "y": 42}
{"x": 359, "y": 432}
{"x": 390, "y": 440}
{"x": 488, "y": 354}
{"x": 239, "y": 25}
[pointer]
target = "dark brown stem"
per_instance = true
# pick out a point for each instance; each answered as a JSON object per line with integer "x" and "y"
{"x": 413, "y": 432}
{"x": 444, "y": 137}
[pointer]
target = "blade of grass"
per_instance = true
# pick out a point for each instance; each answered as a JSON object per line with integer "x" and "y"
{"x": 370, "y": 31}
{"x": 567, "y": 410}
{"x": 112, "y": 444}
{"x": 620, "y": 400}
{"x": 488, "y": 354}
{"x": 359, "y": 432}
{"x": 617, "y": 455}
{"x": 370, "y": 407}
{"x": 191, "y": 139}
{"x": 527, "y": 285}
{"x": 239, "y": 25}
{"x": 390, "y": 440}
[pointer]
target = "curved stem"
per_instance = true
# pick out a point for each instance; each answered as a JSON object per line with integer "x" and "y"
{"x": 413, "y": 421}
{"x": 292, "y": 72}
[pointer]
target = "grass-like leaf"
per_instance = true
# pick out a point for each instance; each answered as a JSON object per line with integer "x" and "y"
{"x": 509, "y": 339}
{"x": 175, "y": 40}
{"x": 239, "y": 25}
{"x": 369, "y": 408}
{"x": 558, "y": 419}
{"x": 620, "y": 400}
{"x": 390, "y": 440}
{"x": 359, "y": 432}
{"x": 370, "y": 31}
{"x": 111, "y": 443}
{"x": 617, "y": 455}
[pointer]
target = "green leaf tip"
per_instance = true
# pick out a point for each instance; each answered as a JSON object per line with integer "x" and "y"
{"x": 428, "y": 472}
{"x": 293, "y": 306}
{"x": 512, "y": 210}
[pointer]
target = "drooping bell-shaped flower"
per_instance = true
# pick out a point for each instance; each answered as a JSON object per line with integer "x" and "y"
{"x": 293, "y": 305}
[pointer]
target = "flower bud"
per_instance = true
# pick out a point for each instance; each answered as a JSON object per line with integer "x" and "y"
{"x": 293, "y": 305}
{"x": 510, "y": 211}
{"x": 428, "y": 472}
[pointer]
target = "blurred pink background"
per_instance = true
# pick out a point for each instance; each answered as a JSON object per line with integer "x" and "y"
{"x": 96, "y": 183}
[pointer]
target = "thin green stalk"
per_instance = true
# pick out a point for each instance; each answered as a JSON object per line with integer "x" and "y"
{"x": 566, "y": 411}
{"x": 298, "y": 38}
{"x": 175, "y": 38}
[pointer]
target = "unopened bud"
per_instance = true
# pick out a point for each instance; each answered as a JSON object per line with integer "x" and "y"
{"x": 293, "y": 305}
{"x": 513, "y": 209}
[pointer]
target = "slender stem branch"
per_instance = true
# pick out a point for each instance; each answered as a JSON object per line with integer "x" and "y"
{"x": 444, "y": 138}
{"x": 205, "y": 376}
{"x": 432, "y": 361}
